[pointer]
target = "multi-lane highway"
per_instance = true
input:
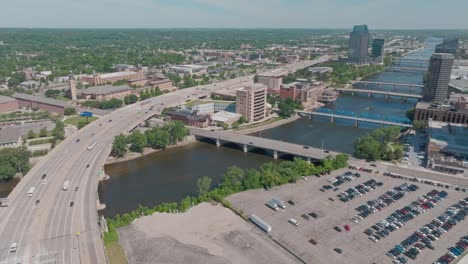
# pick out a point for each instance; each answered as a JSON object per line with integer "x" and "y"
{"x": 58, "y": 226}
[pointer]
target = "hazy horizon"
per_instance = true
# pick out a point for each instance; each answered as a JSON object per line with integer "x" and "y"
{"x": 239, "y": 14}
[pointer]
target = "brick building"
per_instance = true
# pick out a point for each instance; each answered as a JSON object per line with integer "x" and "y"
{"x": 189, "y": 118}
{"x": 98, "y": 79}
{"x": 8, "y": 104}
{"x": 304, "y": 91}
{"x": 105, "y": 92}
{"x": 46, "y": 104}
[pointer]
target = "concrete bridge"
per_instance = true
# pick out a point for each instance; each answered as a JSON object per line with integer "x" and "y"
{"x": 387, "y": 94}
{"x": 354, "y": 118}
{"x": 380, "y": 84}
{"x": 406, "y": 69}
{"x": 246, "y": 142}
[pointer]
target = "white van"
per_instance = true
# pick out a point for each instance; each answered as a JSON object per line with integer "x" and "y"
{"x": 13, "y": 247}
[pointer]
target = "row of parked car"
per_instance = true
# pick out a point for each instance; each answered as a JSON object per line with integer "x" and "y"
{"x": 402, "y": 216}
{"x": 361, "y": 168}
{"x": 340, "y": 179}
{"x": 384, "y": 200}
{"x": 454, "y": 252}
{"x": 423, "y": 238}
{"x": 359, "y": 190}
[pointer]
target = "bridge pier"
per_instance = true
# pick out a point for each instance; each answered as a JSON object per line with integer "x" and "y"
{"x": 332, "y": 119}
{"x": 386, "y": 96}
{"x": 353, "y": 93}
{"x": 245, "y": 148}
{"x": 356, "y": 122}
{"x": 405, "y": 99}
{"x": 308, "y": 160}
{"x": 369, "y": 95}
{"x": 218, "y": 142}
{"x": 275, "y": 154}
{"x": 380, "y": 85}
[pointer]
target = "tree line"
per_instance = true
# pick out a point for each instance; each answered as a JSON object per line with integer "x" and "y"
{"x": 157, "y": 138}
{"x": 377, "y": 145}
{"x": 234, "y": 180}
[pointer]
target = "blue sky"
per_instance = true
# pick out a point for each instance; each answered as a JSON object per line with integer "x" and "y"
{"x": 378, "y": 14}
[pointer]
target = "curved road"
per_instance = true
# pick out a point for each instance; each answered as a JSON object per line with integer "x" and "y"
{"x": 47, "y": 227}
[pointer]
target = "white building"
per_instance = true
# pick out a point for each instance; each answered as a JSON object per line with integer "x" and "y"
{"x": 224, "y": 117}
{"x": 189, "y": 69}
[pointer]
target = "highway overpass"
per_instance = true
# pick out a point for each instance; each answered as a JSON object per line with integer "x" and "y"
{"x": 47, "y": 227}
{"x": 277, "y": 148}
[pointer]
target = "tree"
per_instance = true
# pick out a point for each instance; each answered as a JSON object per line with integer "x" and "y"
{"x": 43, "y": 132}
{"x": 138, "y": 140}
{"x": 59, "y": 131}
{"x": 203, "y": 185}
{"x": 52, "y": 93}
{"x": 398, "y": 154}
{"x": 130, "y": 99}
{"x": 242, "y": 120}
{"x": 235, "y": 125}
{"x": 13, "y": 160}
{"x": 69, "y": 111}
{"x": 31, "y": 134}
{"x": 119, "y": 146}
{"x": 410, "y": 114}
{"x": 158, "y": 138}
{"x": 16, "y": 79}
{"x": 233, "y": 177}
{"x": 252, "y": 179}
{"x": 82, "y": 124}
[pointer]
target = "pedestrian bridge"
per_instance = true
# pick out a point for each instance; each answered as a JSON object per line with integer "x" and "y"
{"x": 386, "y": 93}
{"x": 246, "y": 142}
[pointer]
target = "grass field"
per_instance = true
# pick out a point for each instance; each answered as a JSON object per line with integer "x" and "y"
{"x": 114, "y": 251}
{"x": 75, "y": 120}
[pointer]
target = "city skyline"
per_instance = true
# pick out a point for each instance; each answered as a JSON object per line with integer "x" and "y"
{"x": 228, "y": 14}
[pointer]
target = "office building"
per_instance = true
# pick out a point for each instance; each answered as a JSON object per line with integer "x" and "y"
{"x": 105, "y": 92}
{"x": 251, "y": 102}
{"x": 358, "y": 44}
{"x": 378, "y": 48}
{"x": 189, "y": 69}
{"x": 456, "y": 111}
{"x": 272, "y": 80}
{"x": 438, "y": 77}
{"x": 302, "y": 90}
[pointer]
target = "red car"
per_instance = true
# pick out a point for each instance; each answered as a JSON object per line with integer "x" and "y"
{"x": 347, "y": 227}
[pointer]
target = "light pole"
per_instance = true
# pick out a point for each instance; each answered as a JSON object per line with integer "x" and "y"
{"x": 79, "y": 249}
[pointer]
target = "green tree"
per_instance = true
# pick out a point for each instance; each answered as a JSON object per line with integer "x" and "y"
{"x": 13, "y": 160}
{"x": 138, "y": 140}
{"x": 242, "y": 120}
{"x": 31, "y": 134}
{"x": 158, "y": 138}
{"x": 16, "y": 79}
{"x": 119, "y": 146}
{"x": 59, "y": 131}
{"x": 43, "y": 132}
{"x": 232, "y": 178}
{"x": 252, "y": 179}
{"x": 398, "y": 154}
{"x": 203, "y": 185}
{"x": 235, "y": 125}
{"x": 130, "y": 99}
{"x": 69, "y": 111}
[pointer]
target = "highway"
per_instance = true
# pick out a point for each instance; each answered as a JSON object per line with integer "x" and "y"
{"x": 46, "y": 227}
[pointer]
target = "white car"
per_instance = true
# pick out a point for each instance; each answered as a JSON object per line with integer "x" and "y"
{"x": 293, "y": 221}
{"x": 44, "y": 181}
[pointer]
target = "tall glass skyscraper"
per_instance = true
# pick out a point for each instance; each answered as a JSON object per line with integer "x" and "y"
{"x": 358, "y": 44}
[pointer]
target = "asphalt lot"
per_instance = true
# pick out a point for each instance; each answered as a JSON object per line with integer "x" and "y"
{"x": 356, "y": 246}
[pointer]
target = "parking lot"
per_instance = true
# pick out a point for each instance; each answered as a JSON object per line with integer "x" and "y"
{"x": 334, "y": 217}
{"x": 414, "y": 149}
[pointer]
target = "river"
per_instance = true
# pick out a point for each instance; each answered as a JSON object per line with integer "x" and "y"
{"x": 170, "y": 175}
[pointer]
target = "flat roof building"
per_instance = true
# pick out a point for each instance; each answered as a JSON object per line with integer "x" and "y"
{"x": 8, "y": 104}
{"x": 303, "y": 91}
{"x": 104, "y": 78}
{"x": 42, "y": 103}
{"x": 224, "y": 117}
{"x": 189, "y": 69}
{"x": 9, "y": 137}
{"x": 447, "y": 150}
{"x": 443, "y": 113}
{"x": 251, "y": 102}
{"x": 104, "y": 92}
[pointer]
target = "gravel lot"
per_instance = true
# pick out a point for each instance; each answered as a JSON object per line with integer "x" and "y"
{"x": 206, "y": 234}
{"x": 356, "y": 246}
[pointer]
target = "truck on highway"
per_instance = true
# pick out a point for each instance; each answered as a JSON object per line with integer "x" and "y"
{"x": 260, "y": 223}
{"x": 92, "y": 145}
{"x": 66, "y": 185}
{"x": 31, "y": 191}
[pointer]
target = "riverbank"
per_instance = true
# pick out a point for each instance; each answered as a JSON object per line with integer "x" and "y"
{"x": 146, "y": 151}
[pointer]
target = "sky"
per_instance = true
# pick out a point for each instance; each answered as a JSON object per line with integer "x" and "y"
{"x": 378, "y": 14}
